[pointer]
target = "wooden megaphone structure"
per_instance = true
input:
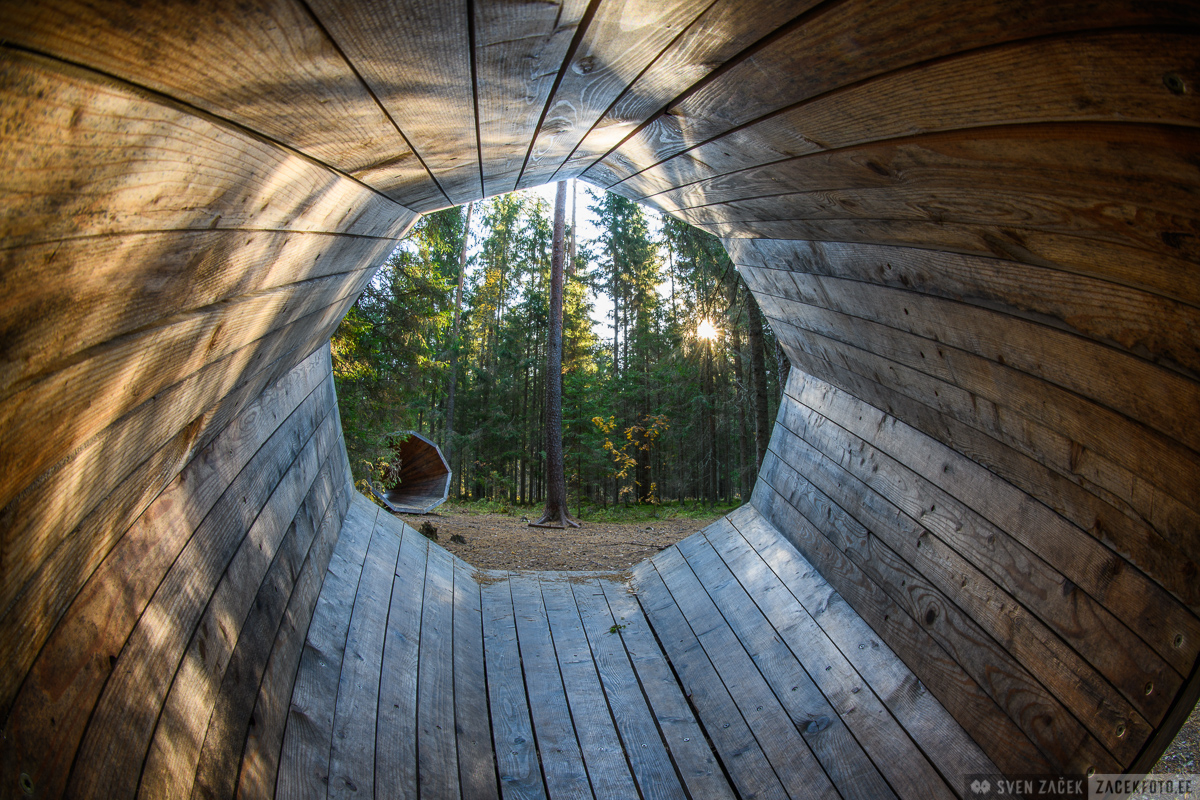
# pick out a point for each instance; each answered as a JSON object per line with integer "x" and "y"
{"x": 423, "y": 476}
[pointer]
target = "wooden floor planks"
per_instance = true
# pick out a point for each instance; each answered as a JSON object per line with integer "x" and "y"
{"x": 711, "y": 674}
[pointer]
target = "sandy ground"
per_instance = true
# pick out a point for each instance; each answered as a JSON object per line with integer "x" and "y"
{"x": 497, "y": 541}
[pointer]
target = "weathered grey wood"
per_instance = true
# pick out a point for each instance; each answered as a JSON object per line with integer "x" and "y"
{"x": 943, "y": 741}
{"x": 643, "y": 743}
{"x": 1149, "y": 612}
{"x": 512, "y": 727}
{"x": 683, "y": 737}
{"x": 396, "y": 726}
{"x": 116, "y": 741}
{"x": 52, "y": 709}
{"x": 621, "y": 40}
{"x": 270, "y": 68}
{"x": 1004, "y": 743}
{"x": 848, "y": 768}
{"x": 416, "y": 58}
{"x": 908, "y": 771}
{"x": 170, "y": 764}
{"x": 718, "y": 34}
{"x": 843, "y": 99}
{"x": 562, "y": 762}
{"x": 216, "y": 770}
{"x": 352, "y": 754}
{"x": 791, "y": 756}
{"x": 603, "y": 754}
{"x": 933, "y": 597}
{"x": 476, "y": 758}
{"x": 304, "y": 761}
{"x": 740, "y": 753}
{"x": 518, "y": 56}
{"x": 964, "y": 381}
{"x": 437, "y": 750}
{"x": 260, "y": 758}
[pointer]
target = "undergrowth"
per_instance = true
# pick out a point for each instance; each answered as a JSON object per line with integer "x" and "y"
{"x": 676, "y": 509}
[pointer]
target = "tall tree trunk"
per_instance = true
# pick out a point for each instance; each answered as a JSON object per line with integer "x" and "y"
{"x": 758, "y": 367}
{"x": 448, "y": 442}
{"x": 739, "y": 405}
{"x": 556, "y": 514}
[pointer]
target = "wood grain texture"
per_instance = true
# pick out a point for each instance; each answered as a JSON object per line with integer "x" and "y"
{"x": 908, "y": 772}
{"x": 719, "y": 33}
{"x": 621, "y": 41}
{"x": 562, "y": 760}
{"x": 396, "y": 725}
{"x": 642, "y": 742}
{"x": 519, "y": 51}
{"x": 476, "y": 757}
{"x": 844, "y": 46}
{"x": 352, "y": 753}
{"x": 741, "y": 754}
{"x": 599, "y": 740}
{"x": 437, "y": 745}
{"x": 304, "y": 760}
{"x": 684, "y": 738}
{"x": 944, "y": 742}
{"x": 269, "y": 68}
{"x": 416, "y": 59}
{"x": 119, "y": 731}
{"x": 836, "y": 749}
{"x": 59, "y": 691}
{"x": 259, "y": 765}
{"x": 220, "y": 755}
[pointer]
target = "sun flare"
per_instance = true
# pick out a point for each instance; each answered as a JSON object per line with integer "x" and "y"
{"x": 705, "y": 330}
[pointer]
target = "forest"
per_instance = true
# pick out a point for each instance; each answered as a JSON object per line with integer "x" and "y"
{"x": 667, "y": 394}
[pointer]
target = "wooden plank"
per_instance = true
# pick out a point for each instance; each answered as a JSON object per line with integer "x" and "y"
{"x": 271, "y": 69}
{"x": 220, "y": 756}
{"x": 720, "y": 32}
{"x": 175, "y": 624}
{"x": 70, "y": 405}
{"x": 562, "y": 761}
{"x": 60, "y": 688}
{"x": 603, "y": 604}
{"x": 620, "y": 42}
{"x": 352, "y": 753}
{"x": 437, "y": 747}
{"x": 146, "y": 176}
{"x": 989, "y": 432}
{"x": 184, "y": 418}
{"x": 1002, "y": 741}
{"x": 907, "y": 770}
{"x": 910, "y": 361}
{"x": 519, "y": 52}
{"x": 857, "y": 68}
{"x": 1154, "y": 616}
{"x": 512, "y": 727}
{"x": 249, "y": 600}
{"x": 261, "y": 753}
{"x": 1000, "y": 651}
{"x": 416, "y": 59}
{"x": 157, "y": 274}
{"x": 304, "y": 759}
{"x": 789, "y": 752}
{"x": 603, "y": 754}
{"x": 741, "y": 755}
{"x": 396, "y": 726}
{"x": 838, "y": 752}
{"x": 476, "y": 758}
{"x": 942, "y": 739}
{"x": 643, "y": 743}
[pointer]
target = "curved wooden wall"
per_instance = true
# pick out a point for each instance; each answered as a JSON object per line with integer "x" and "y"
{"x": 972, "y": 226}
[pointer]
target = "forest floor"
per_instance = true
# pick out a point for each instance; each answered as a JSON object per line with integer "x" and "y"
{"x": 494, "y": 540}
